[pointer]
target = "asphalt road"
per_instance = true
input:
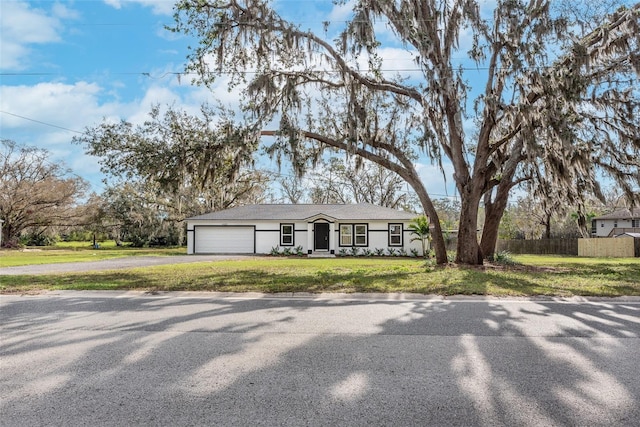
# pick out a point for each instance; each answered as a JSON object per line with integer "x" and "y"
{"x": 108, "y": 358}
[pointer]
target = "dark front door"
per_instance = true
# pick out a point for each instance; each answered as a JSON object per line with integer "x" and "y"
{"x": 321, "y": 236}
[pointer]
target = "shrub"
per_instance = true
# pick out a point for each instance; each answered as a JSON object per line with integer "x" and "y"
{"x": 429, "y": 265}
{"x": 414, "y": 253}
{"x": 286, "y": 251}
{"x": 367, "y": 252}
{"x": 504, "y": 258}
{"x": 275, "y": 251}
{"x": 38, "y": 240}
{"x": 298, "y": 250}
{"x": 342, "y": 252}
{"x": 354, "y": 251}
{"x": 379, "y": 251}
{"x": 392, "y": 252}
{"x": 402, "y": 252}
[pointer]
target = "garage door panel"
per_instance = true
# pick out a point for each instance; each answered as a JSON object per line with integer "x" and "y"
{"x": 236, "y": 240}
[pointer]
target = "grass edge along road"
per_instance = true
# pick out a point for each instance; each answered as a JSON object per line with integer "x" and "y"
{"x": 535, "y": 275}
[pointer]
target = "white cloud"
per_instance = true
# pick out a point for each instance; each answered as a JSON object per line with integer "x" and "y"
{"x": 116, "y": 4}
{"x": 341, "y": 12}
{"x": 22, "y": 26}
{"x": 395, "y": 61}
{"x": 47, "y": 115}
{"x": 159, "y": 7}
{"x": 61, "y": 11}
{"x": 62, "y": 104}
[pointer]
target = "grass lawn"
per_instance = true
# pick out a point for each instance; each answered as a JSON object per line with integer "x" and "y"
{"x": 537, "y": 275}
{"x": 77, "y": 252}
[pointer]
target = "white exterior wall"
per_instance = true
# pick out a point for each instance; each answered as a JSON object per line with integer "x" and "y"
{"x": 266, "y": 240}
{"x": 378, "y": 236}
{"x": 604, "y": 226}
{"x": 267, "y": 234}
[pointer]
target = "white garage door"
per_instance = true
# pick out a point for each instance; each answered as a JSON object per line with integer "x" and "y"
{"x": 218, "y": 240}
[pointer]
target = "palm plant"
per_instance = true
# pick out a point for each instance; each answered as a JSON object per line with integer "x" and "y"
{"x": 419, "y": 227}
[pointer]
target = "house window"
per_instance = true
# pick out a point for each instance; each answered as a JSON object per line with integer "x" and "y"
{"x": 635, "y": 223}
{"x": 615, "y": 224}
{"x": 346, "y": 235}
{"x": 286, "y": 234}
{"x": 360, "y": 234}
{"x": 594, "y": 229}
{"x": 395, "y": 234}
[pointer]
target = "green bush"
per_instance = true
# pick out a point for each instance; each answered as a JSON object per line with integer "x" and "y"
{"x": 38, "y": 240}
{"x": 504, "y": 258}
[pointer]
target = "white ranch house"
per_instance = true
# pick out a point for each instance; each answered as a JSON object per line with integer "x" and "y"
{"x": 617, "y": 223}
{"x": 320, "y": 229}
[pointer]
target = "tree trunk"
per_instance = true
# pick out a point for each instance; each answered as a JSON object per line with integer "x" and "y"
{"x": 434, "y": 221}
{"x": 493, "y": 215}
{"x": 490, "y": 230}
{"x": 494, "y": 210}
{"x": 547, "y": 227}
{"x": 468, "y": 249}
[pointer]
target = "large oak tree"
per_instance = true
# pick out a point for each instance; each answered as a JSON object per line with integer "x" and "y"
{"x": 35, "y": 192}
{"x": 177, "y": 164}
{"x": 545, "y": 100}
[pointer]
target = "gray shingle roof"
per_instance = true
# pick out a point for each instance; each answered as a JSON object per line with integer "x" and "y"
{"x": 622, "y": 213}
{"x": 360, "y": 211}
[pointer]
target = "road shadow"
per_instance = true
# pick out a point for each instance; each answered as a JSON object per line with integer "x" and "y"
{"x": 158, "y": 360}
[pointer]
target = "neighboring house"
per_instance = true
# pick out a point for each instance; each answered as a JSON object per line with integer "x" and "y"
{"x": 616, "y": 223}
{"x": 317, "y": 228}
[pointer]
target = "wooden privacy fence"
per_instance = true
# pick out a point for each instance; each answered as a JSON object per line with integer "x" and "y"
{"x": 619, "y": 247}
{"x": 539, "y": 247}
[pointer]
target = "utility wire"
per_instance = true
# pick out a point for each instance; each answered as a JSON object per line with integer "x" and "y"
{"x": 41, "y": 122}
{"x": 247, "y": 72}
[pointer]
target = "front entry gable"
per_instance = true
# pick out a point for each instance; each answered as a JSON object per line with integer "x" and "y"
{"x": 320, "y": 217}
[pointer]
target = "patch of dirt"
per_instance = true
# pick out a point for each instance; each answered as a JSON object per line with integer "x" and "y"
{"x": 488, "y": 266}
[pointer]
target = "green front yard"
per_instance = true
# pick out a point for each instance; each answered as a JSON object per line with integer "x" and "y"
{"x": 77, "y": 252}
{"x": 537, "y": 275}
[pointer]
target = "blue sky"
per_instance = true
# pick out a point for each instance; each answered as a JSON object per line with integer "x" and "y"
{"x": 71, "y": 64}
{"x": 67, "y": 65}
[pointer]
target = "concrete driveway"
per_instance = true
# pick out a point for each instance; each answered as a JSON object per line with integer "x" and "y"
{"x": 190, "y": 359}
{"x": 113, "y": 264}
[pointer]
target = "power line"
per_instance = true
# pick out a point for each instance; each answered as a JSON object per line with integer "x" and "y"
{"x": 331, "y": 71}
{"x": 41, "y": 122}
